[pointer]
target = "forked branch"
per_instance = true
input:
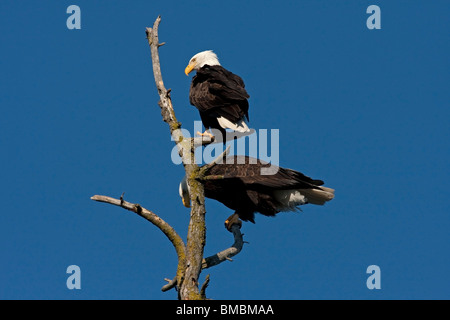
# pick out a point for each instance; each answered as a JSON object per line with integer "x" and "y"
{"x": 226, "y": 254}
{"x": 214, "y": 260}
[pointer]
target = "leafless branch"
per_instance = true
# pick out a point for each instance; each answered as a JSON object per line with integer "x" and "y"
{"x": 170, "y": 233}
{"x": 226, "y": 254}
{"x": 204, "y": 286}
{"x": 172, "y": 283}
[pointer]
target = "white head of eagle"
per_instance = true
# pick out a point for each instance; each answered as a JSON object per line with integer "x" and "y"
{"x": 207, "y": 57}
{"x": 218, "y": 94}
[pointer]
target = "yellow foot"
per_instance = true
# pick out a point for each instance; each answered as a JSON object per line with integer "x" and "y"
{"x": 206, "y": 133}
{"x": 232, "y": 220}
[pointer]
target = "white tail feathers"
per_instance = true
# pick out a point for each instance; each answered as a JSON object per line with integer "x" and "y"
{"x": 290, "y": 199}
{"x": 318, "y": 196}
{"x": 240, "y": 126}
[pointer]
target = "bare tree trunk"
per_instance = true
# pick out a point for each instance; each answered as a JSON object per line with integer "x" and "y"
{"x": 190, "y": 256}
{"x": 188, "y": 286}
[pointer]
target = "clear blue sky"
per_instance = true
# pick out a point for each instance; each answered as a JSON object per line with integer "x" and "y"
{"x": 365, "y": 110}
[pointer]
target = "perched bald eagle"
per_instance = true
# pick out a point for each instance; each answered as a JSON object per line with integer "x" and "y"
{"x": 218, "y": 94}
{"x": 242, "y": 187}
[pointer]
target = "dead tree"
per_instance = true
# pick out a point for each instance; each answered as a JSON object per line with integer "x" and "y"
{"x": 190, "y": 253}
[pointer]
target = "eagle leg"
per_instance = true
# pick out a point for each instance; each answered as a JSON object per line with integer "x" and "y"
{"x": 206, "y": 133}
{"x": 232, "y": 220}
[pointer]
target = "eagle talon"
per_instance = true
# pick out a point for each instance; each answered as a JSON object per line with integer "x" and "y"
{"x": 206, "y": 133}
{"x": 232, "y": 220}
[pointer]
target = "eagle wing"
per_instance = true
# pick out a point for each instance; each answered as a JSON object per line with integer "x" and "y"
{"x": 248, "y": 170}
{"x": 215, "y": 89}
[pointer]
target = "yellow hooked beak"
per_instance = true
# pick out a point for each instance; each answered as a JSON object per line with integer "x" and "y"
{"x": 186, "y": 201}
{"x": 189, "y": 68}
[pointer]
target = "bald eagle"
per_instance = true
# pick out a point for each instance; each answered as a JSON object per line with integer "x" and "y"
{"x": 242, "y": 187}
{"x": 218, "y": 94}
